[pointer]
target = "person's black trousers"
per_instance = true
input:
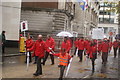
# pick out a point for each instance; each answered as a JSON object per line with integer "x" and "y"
{"x": 104, "y": 57}
{"x": 39, "y": 66}
{"x": 46, "y": 56}
{"x": 75, "y": 50}
{"x": 93, "y": 65}
{"x": 30, "y": 57}
{"x": 62, "y": 68}
{"x": 119, "y": 51}
{"x": 80, "y": 54}
{"x": 3, "y": 48}
{"x": 115, "y": 52}
{"x": 36, "y": 57}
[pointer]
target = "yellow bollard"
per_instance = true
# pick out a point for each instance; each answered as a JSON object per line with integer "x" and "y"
{"x": 22, "y": 45}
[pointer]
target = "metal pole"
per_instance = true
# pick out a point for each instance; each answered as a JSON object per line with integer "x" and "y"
{"x": 24, "y": 33}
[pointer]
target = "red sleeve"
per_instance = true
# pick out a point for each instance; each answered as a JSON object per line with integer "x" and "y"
{"x": 33, "y": 47}
{"x": 45, "y": 46}
{"x": 68, "y": 47}
{"x": 53, "y": 44}
{"x": 56, "y": 54}
{"x": 69, "y": 57}
{"x": 30, "y": 44}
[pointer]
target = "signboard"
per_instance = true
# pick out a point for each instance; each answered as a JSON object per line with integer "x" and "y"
{"x": 24, "y": 26}
{"x": 97, "y": 33}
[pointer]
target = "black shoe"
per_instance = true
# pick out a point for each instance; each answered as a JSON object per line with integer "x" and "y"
{"x": 37, "y": 74}
{"x": 52, "y": 64}
{"x": 60, "y": 78}
{"x": 34, "y": 63}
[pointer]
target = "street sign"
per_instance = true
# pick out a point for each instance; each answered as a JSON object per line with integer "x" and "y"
{"x": 24, "y": 26}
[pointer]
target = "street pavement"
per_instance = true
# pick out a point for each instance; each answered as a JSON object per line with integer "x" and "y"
{"x": 14, "y": 67}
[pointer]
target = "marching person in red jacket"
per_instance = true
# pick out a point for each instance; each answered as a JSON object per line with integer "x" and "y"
{"x": 29, "y": 44}
{"x": 76, "y": 45}
{"x": 93, "y": 54}
{"x": 99, "y": 47}
{"x": 115, "y": 47}
{"x": 66, "y": 45}
{"x": 119, "y": 48}
{"x": 64, "y": 61}
{"x": 88, "y": 48}
{"x": 105, "y": 50}
{"x": 50, "y": 43}
{"x": 70, "y": 41}
{"x": 39, "y": 49}
{"x": 86, "y": 43}
{"x": 81, "y": 46}
{"x": 110, "y": 45}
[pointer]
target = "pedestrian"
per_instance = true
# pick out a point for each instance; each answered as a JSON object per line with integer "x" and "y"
{"x": 39, "y": 49}
{"x": 99, "y": 47}
{"x": 29, "y": 44}
{"x": 81, "y": 46}
{"x": 66, "y": 45}
{"x": 88, "y": 48}
{"x": 115, "y": 47}
{"x": 64, "y": 61}
{"x": 70, "y": 41}
{"x": 76, "y": 45}
{"x": 3, "y": 41}
{"x": 105, "y": 50}
{"x": 110, "y": 45}
{"x": 86, "y": 42}
{"x": 50, "y": 43}
{"x": 119, "y": 47}
{"x": 93, "y": 54}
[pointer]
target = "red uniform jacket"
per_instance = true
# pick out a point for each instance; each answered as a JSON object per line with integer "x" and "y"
{"x": 39, "y": 48}
{"x": 115, "y": 44}
{"x": 29, "y": 43}
{"x": 81, "y": 45}
{"x": 70, "y": 43}
{"x": 76, "y": 43}
{"x": 99, "y": 47}
{"x": 93, "y": 49}
{"x": 86, "y": 43}
{"x": 88, "y": 47}
{"x": 66, "y": 45}
{"x": 50, "y": 43}
{"x": 105, "y": 47}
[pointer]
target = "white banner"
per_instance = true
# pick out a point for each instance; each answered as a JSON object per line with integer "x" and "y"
{"x": 98, "y": 33}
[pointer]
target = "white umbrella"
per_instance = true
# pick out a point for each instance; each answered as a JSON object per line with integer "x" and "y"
{"x": 64, "y": 34}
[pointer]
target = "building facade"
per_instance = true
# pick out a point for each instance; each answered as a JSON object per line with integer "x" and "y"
{"x": 108, "y": 19}
{"x": 10, "y": 21}
{"x": 49, "y": 18}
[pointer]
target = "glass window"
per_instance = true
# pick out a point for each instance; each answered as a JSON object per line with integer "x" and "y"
{"x": 106, "y": 20}
{"x": 111, "y": 20}
{"x": 112, "y": 13}
{"x": 100, "y": 20}
{"x": 105, "y": 29}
